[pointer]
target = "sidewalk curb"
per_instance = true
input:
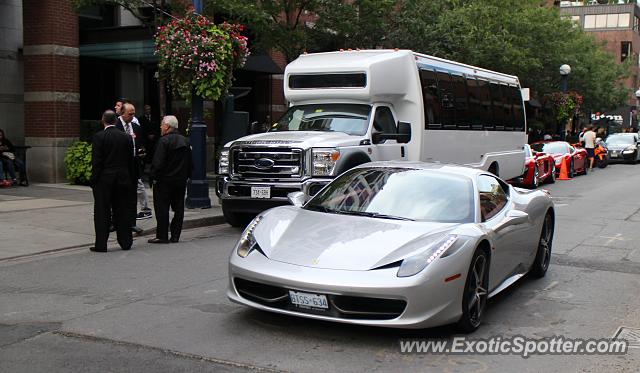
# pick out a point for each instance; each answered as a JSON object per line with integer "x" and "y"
{"x": 187, "y": 224}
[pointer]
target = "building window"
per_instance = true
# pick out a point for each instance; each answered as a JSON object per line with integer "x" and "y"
{"x": 615, "y": 20}
{"x": 625, "y": 50}
{"x": 623, "y": 20}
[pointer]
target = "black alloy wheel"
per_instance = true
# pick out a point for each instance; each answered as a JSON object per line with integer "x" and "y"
{"x": 474, "y": 298}
{"x": 543, "y": 256}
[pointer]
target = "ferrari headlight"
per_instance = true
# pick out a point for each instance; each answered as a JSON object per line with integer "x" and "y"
{"x": 414, "y": 264}
{"x": 223, "y": 164}
{"x": 247, "y": 242}
{"x": 324, "y": 161}
{"x": 558, "y": 161}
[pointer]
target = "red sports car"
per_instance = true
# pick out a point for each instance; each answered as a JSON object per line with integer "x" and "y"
{"x": 539, "y": 168}
{"x": 562, "y": 151}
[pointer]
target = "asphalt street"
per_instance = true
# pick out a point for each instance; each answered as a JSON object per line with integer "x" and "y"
{"x": 164, "y": 308}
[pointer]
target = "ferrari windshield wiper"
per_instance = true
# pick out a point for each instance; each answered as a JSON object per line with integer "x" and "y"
{"x": 320, "y": 208}
{"x": 373, "y": 215}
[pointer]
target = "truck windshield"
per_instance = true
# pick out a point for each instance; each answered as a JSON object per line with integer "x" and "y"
{"x": 351, "y": 119}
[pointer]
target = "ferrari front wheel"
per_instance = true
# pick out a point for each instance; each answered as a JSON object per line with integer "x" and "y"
{"x": 474, "y": 298}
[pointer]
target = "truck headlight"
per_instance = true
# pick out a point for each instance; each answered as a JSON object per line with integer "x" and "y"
{"x": 433, "y": 250}
{"x": 324, "y": 161}
{"x": 223, "y": 164}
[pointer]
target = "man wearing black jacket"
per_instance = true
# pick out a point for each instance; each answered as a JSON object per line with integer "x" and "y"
{"x": 112, "y": 182}
{"x": 170, "y": 169}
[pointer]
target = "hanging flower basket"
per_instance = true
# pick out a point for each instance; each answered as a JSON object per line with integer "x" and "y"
{"x": 565, "y": 105}
{"x": 195, "y": 53}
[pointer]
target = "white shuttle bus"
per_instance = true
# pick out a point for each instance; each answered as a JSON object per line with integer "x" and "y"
{"x": 352, "y": 107}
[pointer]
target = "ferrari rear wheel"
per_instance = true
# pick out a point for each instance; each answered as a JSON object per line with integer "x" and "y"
{"x": 536, "y": 174}
{"x": 474, "y": 298}
{"x": 543, "y": 256}
{"x": 552, "y": 177}
{"x": 572, "y": 171}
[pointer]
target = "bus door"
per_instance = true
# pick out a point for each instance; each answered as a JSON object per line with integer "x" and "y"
{"x": 386, "y": 149}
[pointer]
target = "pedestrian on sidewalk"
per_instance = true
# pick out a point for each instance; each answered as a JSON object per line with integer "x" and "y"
{"x": 111, "y": 183}
{"x": 127, "y": 124}
{"x": 170, "y": 169}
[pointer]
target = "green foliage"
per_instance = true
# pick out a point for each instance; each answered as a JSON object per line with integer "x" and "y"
{"x": 518, "y": 37}
{"x": 77, "y": 161}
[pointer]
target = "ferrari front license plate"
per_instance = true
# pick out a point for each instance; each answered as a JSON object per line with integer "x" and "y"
{"x": 308, "y": 300}
{"x": 261, "y": 192}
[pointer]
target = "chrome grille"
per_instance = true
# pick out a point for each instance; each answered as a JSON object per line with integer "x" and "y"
{"x": 267, "y": 162}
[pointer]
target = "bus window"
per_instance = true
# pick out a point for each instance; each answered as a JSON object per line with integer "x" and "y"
{"x": 447, "y": 100}
{"x": 485, "y": 101}
{"x": 497, "y": 100}
{"x": 461, "y": 103}
{"x": 518, "y": 112}
{"x": 507, "y": 104}
{"x": 475, "y": 104}
{"x": 432, "y": 106}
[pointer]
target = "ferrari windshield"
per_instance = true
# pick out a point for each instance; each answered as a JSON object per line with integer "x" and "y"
{"x": 551, "y": 147}
{"x": 398, "y": 193}
{"x": 352, "y": 119}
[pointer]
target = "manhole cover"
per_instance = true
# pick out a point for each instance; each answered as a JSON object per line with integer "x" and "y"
{"x": 631, "y": 335}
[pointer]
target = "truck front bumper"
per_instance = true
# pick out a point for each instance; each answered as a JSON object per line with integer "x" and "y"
{"x": 236, "y": 194}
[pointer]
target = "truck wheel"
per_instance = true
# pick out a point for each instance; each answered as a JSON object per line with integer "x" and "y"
{"x": 235, "y": 219}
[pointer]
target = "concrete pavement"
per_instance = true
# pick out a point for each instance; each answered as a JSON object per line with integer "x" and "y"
{"x": 51, "y": 217}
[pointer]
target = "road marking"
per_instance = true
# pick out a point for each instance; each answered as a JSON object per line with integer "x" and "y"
{"x": 617, "y": 237}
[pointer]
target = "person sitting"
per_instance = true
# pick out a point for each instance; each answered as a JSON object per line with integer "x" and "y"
{"x": 11, "y": 162}
{"x": 4, "y": 182}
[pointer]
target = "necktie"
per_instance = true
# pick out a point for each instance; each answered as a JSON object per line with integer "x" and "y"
{"x": 129, "y": 130}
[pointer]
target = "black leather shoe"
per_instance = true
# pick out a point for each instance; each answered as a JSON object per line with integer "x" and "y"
{"x": 158, "y": 240}
{"x": 174, "y": 240}
{"x": 137, "y": 230}
{"x": 97, "y": 250}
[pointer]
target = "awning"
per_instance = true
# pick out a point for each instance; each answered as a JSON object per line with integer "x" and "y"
{"x": 140, "y": 51}
{"x": 262, "y": 63}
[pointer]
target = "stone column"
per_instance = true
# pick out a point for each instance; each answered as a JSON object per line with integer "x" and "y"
{"x": 51, "y": 85}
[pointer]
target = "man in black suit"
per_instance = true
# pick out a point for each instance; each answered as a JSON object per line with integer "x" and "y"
{"x": 170, "y": 169}
{"x": 112, "y": 182}
{"x": 127, "y": 124}
{"x": 151, "y": 131}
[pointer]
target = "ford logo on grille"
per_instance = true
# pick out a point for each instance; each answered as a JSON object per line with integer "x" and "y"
{"x": 264, "y": 163}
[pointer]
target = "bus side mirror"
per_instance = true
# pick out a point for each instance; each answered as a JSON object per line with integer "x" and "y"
{"x": 404, "y": 132}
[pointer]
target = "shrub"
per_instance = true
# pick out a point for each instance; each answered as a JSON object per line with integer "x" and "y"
{"x": 77, "y": 162}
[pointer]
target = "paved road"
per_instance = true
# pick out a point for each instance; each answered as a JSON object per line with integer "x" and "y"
{"x": 163, "y": 308}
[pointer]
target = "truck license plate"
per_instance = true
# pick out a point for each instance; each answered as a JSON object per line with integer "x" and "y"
{"x": 308, "y": 300}
{"x": 261, "y": 192}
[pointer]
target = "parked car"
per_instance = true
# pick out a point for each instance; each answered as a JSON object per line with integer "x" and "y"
{"x": 623, "y": 147}
{"x": 539, "y": 168}
{"x": 394, "y": 244}
{"x": 562, "y": 151}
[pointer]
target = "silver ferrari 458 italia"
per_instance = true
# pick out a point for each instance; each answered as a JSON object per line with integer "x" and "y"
{"x": 395, "y": 244}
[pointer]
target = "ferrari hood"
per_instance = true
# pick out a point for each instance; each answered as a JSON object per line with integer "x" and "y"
{"x": 345, "y": 242}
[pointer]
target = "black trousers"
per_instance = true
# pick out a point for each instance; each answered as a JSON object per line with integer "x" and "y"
{"x": 169, "y": 194}
{"x": 108, "y": 196}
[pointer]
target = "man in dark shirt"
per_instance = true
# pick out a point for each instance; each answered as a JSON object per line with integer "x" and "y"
{"x": 112, "y": 180}
{"x": 170, "y": 169}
